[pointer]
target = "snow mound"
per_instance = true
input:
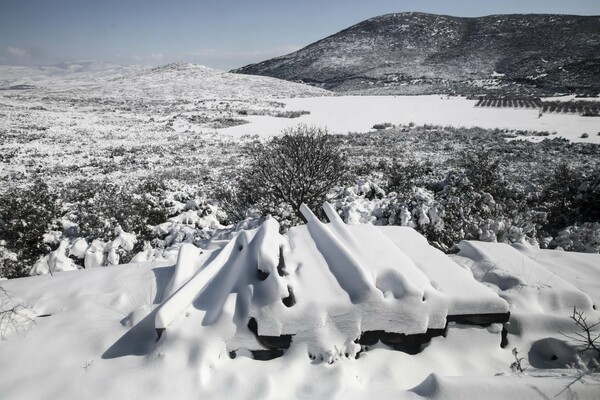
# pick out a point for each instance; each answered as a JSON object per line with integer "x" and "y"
{"x": 524, "y": 283}
{"x": 326, "y": 286}
{"x": 325, "y": 303}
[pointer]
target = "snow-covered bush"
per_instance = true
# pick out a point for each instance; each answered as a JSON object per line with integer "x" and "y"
{"x": 483, "y": 170}
{"x": 473, "y": 214}
{"x": 108, "y": 224}
{"x": 26, "y": 215}
{"x": 582, "y": 238}
{"x": 98, "y": 208}
{"x": 404, "y": 177}
{"x": 572, "y": 197}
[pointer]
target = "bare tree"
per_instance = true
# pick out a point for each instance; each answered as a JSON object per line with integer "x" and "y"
{"x": 300, "y": 166}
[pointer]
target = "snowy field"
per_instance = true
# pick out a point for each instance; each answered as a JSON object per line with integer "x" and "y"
{"x": 105, "y": 120}
{"x": 342, "y": 311}
{"x": 359, "y": 113}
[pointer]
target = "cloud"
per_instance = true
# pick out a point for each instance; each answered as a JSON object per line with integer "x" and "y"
{"x": 16, "y": 52}
{"x": 229, "y": 59}
{"x": 211, "y": 53}
{"x": 156, "y": 56}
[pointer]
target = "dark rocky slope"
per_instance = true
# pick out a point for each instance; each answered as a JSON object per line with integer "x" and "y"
{"x": 424, "y": 53}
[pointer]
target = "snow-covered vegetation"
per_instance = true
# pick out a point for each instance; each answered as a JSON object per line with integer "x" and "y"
{"x": 173, "y": 251}
{"x": 438, "y": 180}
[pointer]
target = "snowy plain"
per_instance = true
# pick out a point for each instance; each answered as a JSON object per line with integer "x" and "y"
{"x": 92, "y": 333}
{"x": 343, "y": 114}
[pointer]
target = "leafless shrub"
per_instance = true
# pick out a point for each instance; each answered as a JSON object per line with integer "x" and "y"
{"x": 588, "y": 336}
{"x": 300, "y": 166}
{"x": 516, "y": 365}
{"x": 13, "y": 317}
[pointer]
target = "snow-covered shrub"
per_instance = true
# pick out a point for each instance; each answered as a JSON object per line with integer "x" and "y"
{"x": 26, "y": 215}
{"x": 100, "y": 210}
{"x": 235, "y": 197}
{"x": 404, "y": 177}
{"x": 572, "y": 196}
{"x": 559, "y": 195}
{"x": 100, "y": 207}
{"x": 582, "y": 238}
{"x": 300, "y": 166}
{"x": 482, "y": 169}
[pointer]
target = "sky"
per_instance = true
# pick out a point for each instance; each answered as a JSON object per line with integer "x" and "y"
{"x": 221, "y": 34}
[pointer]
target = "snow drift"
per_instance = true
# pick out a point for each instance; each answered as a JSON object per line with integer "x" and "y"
{"x": 326, "y": 303}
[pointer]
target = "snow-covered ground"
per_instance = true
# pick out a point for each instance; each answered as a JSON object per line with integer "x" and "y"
{"x": 359, "y": 113}
{"x": 79, "y": 118}
{"x": 91, "y": 333}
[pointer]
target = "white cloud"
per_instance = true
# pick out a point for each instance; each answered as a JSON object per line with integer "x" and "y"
{"x": 136, "y": 57}
{"x": 210, "y": 53}
{"x": 156, "y": 56}
{"x": 229, "y": 59}
{"x": 16, "y": 52}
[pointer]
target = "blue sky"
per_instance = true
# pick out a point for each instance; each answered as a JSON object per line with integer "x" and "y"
{"x": 221, "y": 34}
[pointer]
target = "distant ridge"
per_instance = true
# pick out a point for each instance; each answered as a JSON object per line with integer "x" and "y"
{"x": 424, "y": 53}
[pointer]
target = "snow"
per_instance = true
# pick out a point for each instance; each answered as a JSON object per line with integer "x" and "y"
{"x": 456, "y": 285}
{"x": 92, "y": 333}
{"x": 346, "y": 279}
{"x": 343, "y": 114}
{"x": 168, "y": 82}
{"x": 55, "y": 261}
{"x": 579, "y": 269}
{"x": 524, "y": 283}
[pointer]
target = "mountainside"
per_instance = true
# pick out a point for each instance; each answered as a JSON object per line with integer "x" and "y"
{"x": 424, "y": 53}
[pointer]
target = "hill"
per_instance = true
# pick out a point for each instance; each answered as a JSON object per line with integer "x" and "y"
{"x": 416, "y": 53}
{"x": 171, "y": 81}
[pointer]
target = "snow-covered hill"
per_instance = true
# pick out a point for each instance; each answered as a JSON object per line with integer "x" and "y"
{"x": 198, "y": 82}
{"x": 63, "y": 75}
{"x": 417, "y": 53}
{"x": 168, "y": 82}
{"x": 324, "y": 311}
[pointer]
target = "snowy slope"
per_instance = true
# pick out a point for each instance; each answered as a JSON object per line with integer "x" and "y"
{"x": 93, "y": 331}
{"x": 61, "y": 76}
{"x": 183, "y": 81}
{"x": 168, "y": 82}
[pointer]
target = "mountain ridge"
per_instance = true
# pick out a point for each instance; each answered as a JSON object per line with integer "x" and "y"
{"x": 418, "y": 53}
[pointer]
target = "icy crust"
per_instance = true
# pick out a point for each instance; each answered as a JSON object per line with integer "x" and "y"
{"x": 527, "y": 286}
{"x": 324, "y": 285}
